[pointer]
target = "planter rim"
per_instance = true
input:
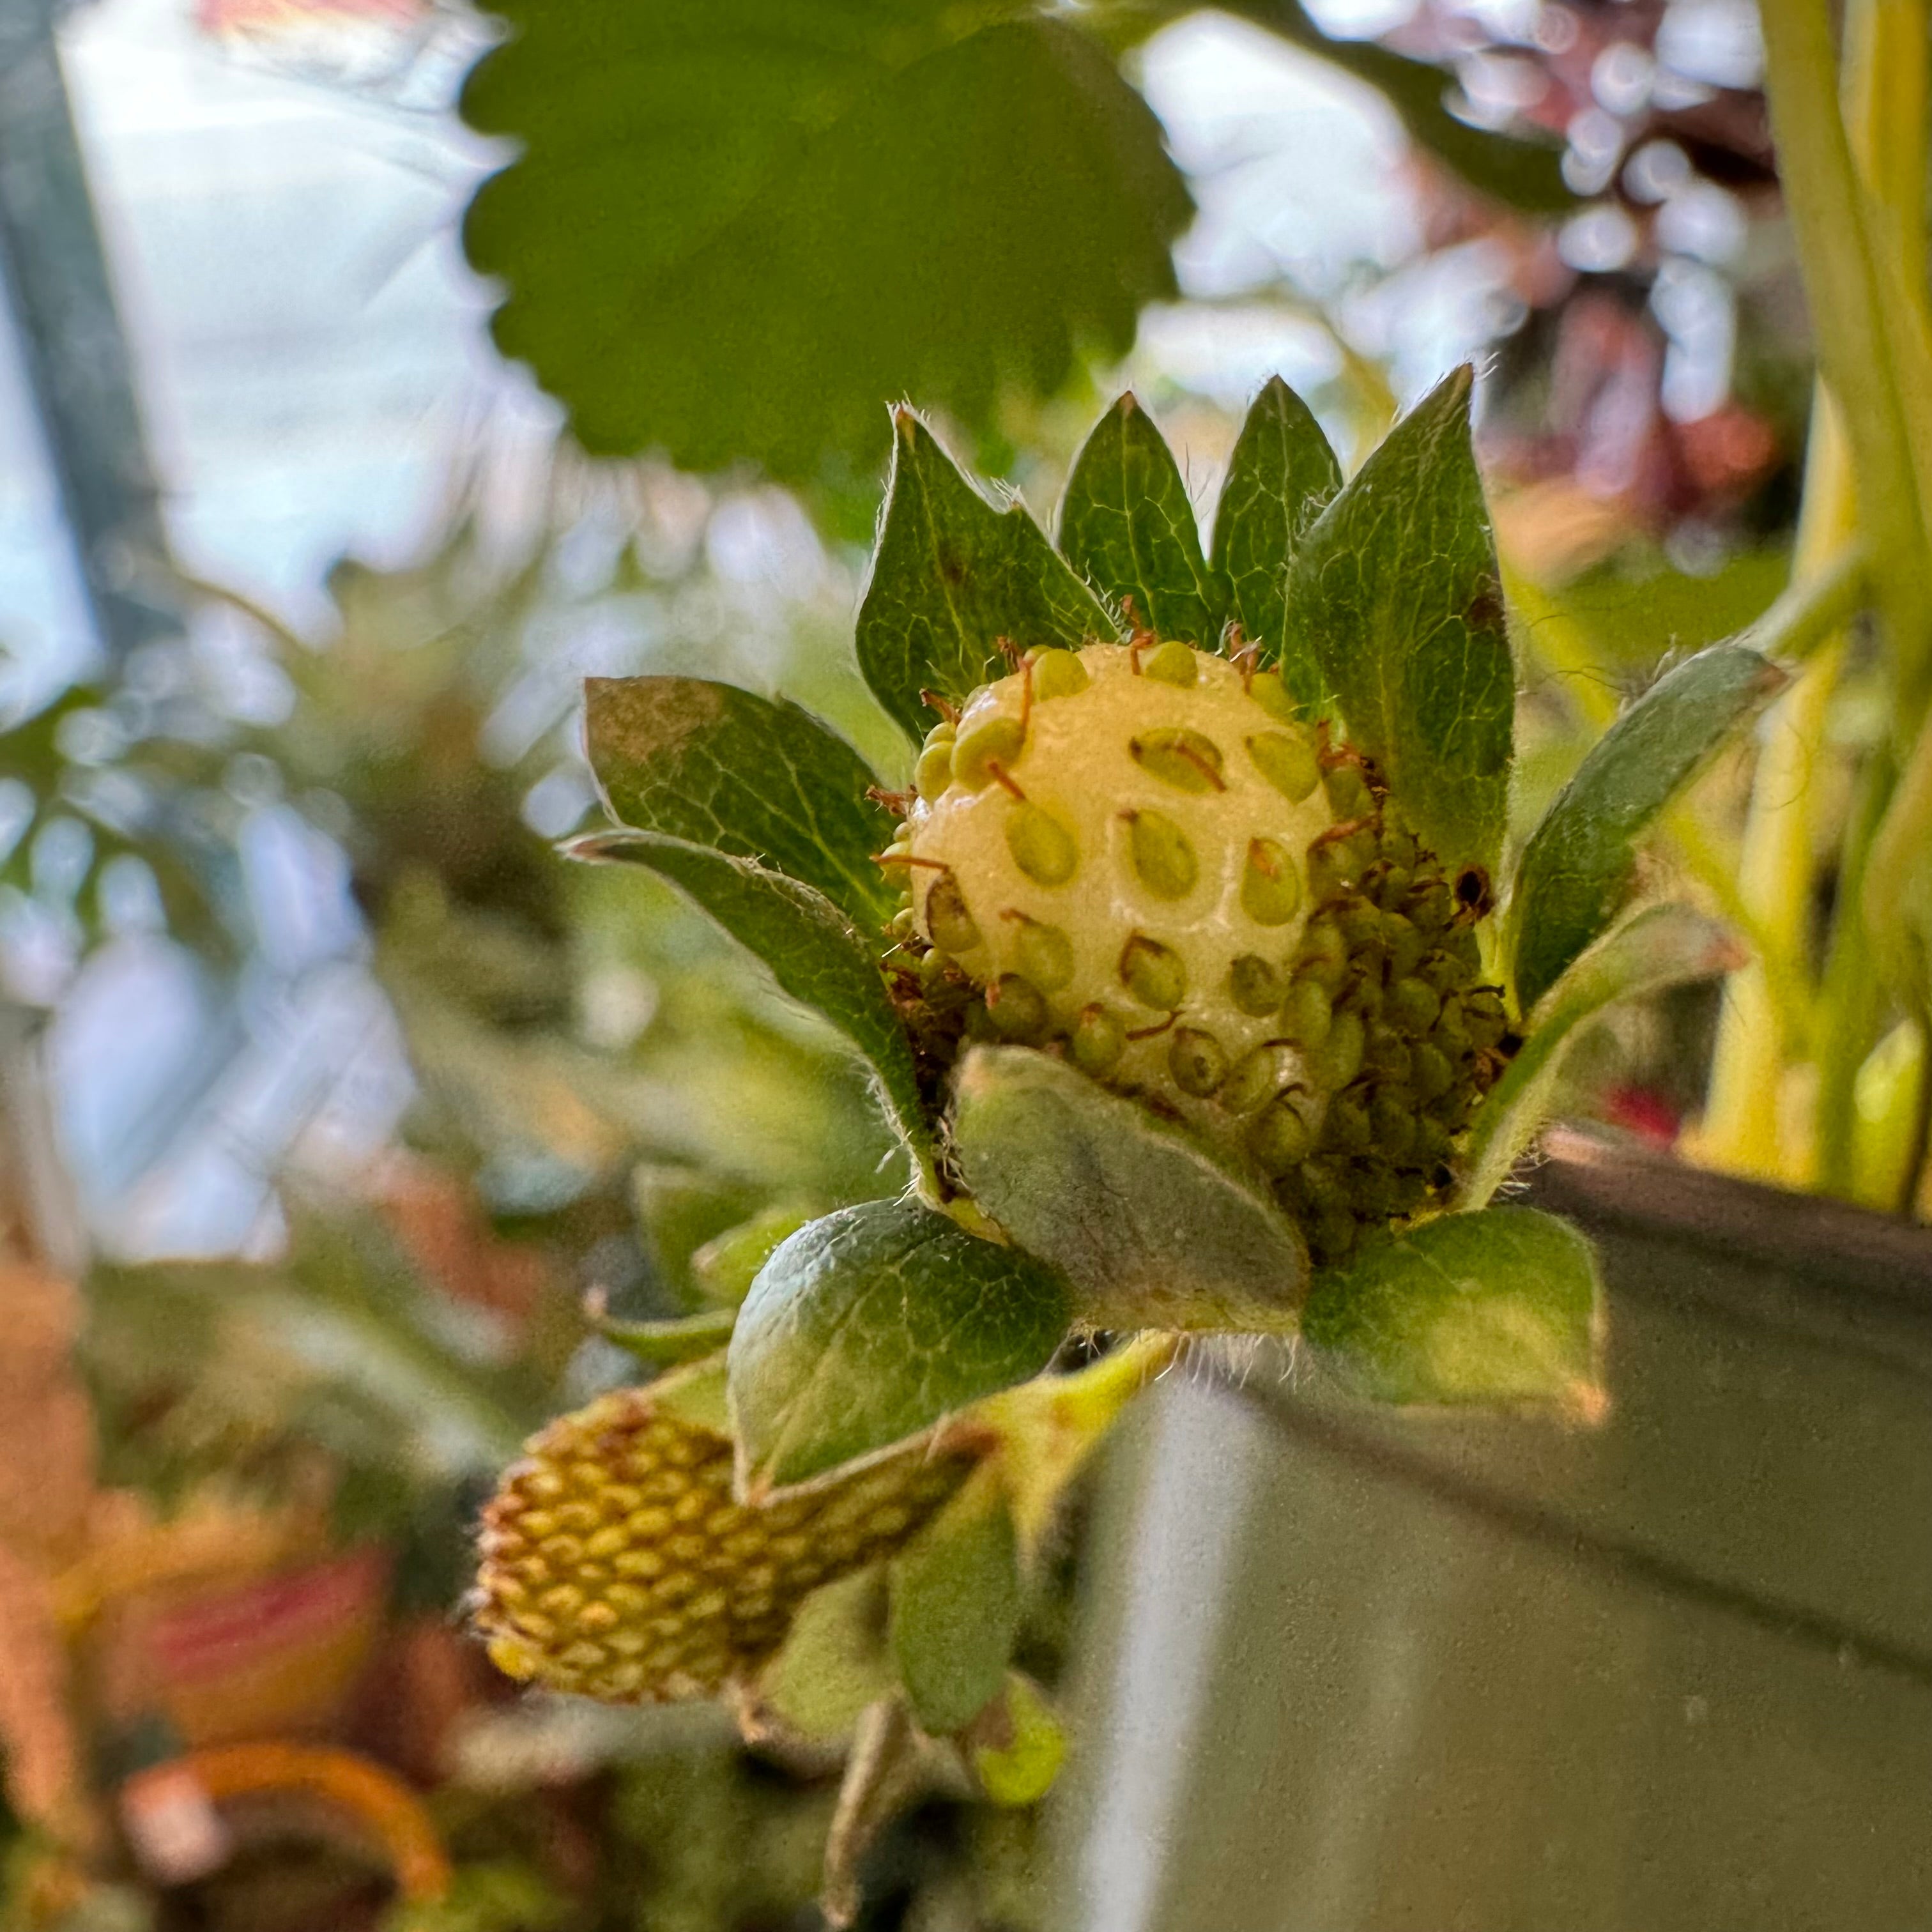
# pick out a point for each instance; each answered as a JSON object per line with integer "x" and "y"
{"x": 1613, "y": 1181}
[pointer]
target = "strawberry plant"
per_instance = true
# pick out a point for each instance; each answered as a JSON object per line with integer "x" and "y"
{"x": 1194, "y": 973}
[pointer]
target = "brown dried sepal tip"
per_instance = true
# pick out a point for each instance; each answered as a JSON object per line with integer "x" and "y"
{"x": 616, "y": 1563}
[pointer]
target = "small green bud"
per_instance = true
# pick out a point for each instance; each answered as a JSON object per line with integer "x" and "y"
{"x": 1287, "y": 762}
{"x": 1363, "y": 995}
{"x": 1254, "y": 986}
{"x": 1042, "y": 846}
{"x": 1267, "y": 691}
{"x": 1324, "y": 957}
{"x": 948, "y": 923}
{"x": 1361, "y": 928}
{"x": 1322, "y": 1185}
{"x": 1385, "y": 1050}
{"x": 998, "y": 740}
{"x": 1434, "y": 1145}
{"x": 1345, "y": 1130}
{"x": 1414, "y": 1005}
{"x": 1431, "y": 1071}
{"x": 1329, "y": 872}
{"x": 1097, "y": 1041}
{"x": 1279, "y": 1138}
{"x": 1018, "y": 1008}
{"x": 1257, "y": 1077}
{"x": 1188, "y": 761}
{"x": 1306, "y": 1014}
{"x": 1451, "y": 1034}
{"x": 1197, "y": 1061}
{"x": 1444, "y": 972}
{"x": 1057, "y": 673}
{"x": 1044, "y": 953}
{"x": 1171, "y": 663}
{"x": 1392, "y": 1117}
{"x": 1348, "y": 792}
{"x": 1392, "y": 888}
{"x": 1341, "y": 1051}
{"x": 1152, "y": 972}
{"x": 935, "y": 771}
{"x": 1161, "y": 855}
{"x": 943, "y": 733}
{"x": 904, "y": 923}
{"x": 1271, "y": 890}
{"x": 1400, "y": 845}
{"x": 1483, "y": 1014}
{"x": 1375, "y": 1192}
{"x": 1405, "y": 942}
{"x": 1430, "y": 904}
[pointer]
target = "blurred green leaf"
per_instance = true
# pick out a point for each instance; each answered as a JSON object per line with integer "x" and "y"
{"x": 755, "y": 777}
{"x": 873, "y": 1324}
{"x": 1127, "y": 525}
{"x": 669, "y": 1344}
{"x": 952, "y": 574}
{"x": 1576, "y": 867}
{"x": 955, "y": 1607}
{"x": 736, "y": 226}
{"x": 1281, "y": 474}
{"x": 1498, "y": 1306}
{"x": 1663, "y": 946}
{"x": 1395, "y": 609}
{"x": 1151, "y": 1232}
{"x": 814, "y": 953}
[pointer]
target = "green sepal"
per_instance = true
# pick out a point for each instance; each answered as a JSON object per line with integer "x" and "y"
{"x": 1151, "y": 1231}
{"x": 726, "y": 1266}
{"x": 955, "y": 1606}
{"x": 870, "y": 1325}
{"x": 1661, "y": 947}
{"x": 1500, "y": 1306}
{"x": 834, "y": 1661}
{"x": 1127, "y": 525}
{"x": 1395, "y": 617}
{"x": 951, "y": 574}
{"x": 666, "y": 1344}
{"x": 1577, "y": 868}
{"x": 815, "y": 953}
{"x": 1280, "y": 475}
{"x": 756, "y": 777}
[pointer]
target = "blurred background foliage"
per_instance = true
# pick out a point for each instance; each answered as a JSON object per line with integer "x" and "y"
{"x": 358, "y": 1090}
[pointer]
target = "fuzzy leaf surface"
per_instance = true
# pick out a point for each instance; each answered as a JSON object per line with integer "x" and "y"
{"x": 736, "y": 227}
{"x": 1127, "y": 524}
{"x": 813, "y": 952}
{"x": 1280, "y": 475}
{"x": 873, "y": 1324}
{"x": 1662, "y": 946}
{"x": 1151, "y": 1230}
{"x": 756, "y": 777}
{"x": 1498, "y": 1306}
{"x": 1577, "y": 866}
{"x": 956, "y": 1608}
{"x": 950, "y": 575}
{"x": 1395, "y": 614}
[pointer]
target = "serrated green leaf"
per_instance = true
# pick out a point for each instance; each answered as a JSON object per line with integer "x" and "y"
{"x": 1127, "y": 525}
{"x": 872, "y": 1325}
{"x": 951, "y": 574}
{"x": 1499, "y": 1307}
{"x": 1665, "y": 946}
{"x": 1150, "y": 1229}
{"x": 1576, "y": 867}
{"x": 814, "y": 953}
{"x": 1395, "y": 613}
{"x": 756, "y": 777}
{"x": 1281, "y": 474}
{"x": 955, "y": 1607}
{"x": 736, "y": 226}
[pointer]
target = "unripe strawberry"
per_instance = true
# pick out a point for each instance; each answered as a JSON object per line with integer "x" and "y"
{"x": 1144, "y": 861}
{"x": 615, "y": 1562}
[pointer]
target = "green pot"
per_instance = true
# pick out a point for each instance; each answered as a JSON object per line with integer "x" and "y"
{"x": 1350, "y": 1670}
